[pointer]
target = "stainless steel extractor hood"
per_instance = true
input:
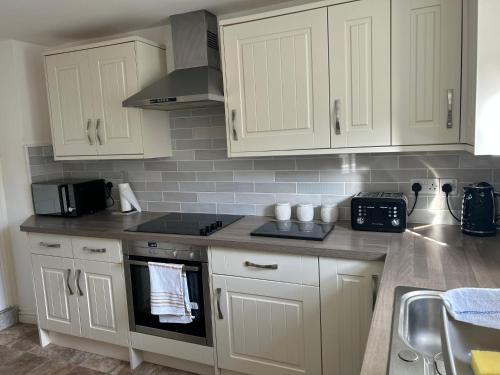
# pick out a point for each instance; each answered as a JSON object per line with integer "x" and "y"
{"x": 196, "y": 81}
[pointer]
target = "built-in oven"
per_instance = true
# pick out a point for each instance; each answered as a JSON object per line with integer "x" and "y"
{"x": 195, "y": 261}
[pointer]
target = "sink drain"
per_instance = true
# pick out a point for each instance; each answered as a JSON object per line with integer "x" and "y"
{"x": 408, "y": 356}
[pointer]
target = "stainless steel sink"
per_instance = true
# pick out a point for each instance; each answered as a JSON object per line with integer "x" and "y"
{"x": 416, "y": 333}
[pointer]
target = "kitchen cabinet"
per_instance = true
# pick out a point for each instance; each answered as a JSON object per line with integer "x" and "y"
{"x": 80, "y": 297}
{"x": 102, "y": 301}
{"x": 426, "y": 71}
{"x": 56, "y": 300}
{"x": 267, "y": 327}
{"x": 348, "y": 293}
{"x": 86, "y": 86}
{"x": 276, "y": 85}
{"x": 360, "y": 71}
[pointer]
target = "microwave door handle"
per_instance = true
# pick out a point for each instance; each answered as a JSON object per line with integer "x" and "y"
{"x": 63, "y": 199}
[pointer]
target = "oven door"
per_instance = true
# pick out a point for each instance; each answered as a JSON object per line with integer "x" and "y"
{"x": 139, "y": 303}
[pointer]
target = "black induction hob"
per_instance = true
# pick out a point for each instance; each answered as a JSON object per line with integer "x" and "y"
{"x": 295, "y": 230}
{"x": 193, "y": 224}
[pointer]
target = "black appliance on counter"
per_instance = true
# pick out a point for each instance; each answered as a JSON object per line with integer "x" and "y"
{"x": 68, "y": 197}
{"x": 479, "y": 211}
{"x": 195, "y": 261}
{"x": 192, "y": 224}
{"x": 379, "y": 211}
{"x": 300, "y": 230}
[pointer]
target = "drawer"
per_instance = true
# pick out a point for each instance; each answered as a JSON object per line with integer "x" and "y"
{"x": 297, "y": 269}
{"x": 50, "y": 244}
{"x": 100, "y": 249}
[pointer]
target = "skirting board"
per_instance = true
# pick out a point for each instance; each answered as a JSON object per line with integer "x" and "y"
{"x": 8, "y": 317}
{"x": 28, "y": 318}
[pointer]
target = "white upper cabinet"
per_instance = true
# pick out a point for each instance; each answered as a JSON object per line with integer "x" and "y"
{"x": 72, "y": 113}
{"x": 86, "y": 87}
{"x": 276, "y": 83}
{"x": 360, "y": 69}
{"x": 114, "y": 75}
{"x": 426, "y": 71}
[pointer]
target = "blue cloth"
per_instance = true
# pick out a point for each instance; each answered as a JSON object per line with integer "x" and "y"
{"x": 477, "y": 306}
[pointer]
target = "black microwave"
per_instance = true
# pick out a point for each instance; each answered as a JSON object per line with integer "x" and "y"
{"x": 68, "y": 197}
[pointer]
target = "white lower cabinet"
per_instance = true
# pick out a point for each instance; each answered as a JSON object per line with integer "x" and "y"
{"x": 102, "y": 301}
{"x": 80, "y": 297}
{"x": 57, "y": 302}
{"x": 348, "y": 294}
{"x": 267, "y": 327}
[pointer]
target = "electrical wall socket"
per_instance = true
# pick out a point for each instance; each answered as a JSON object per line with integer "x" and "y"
{"x": 430, "y": 186}
{"x": 452, "y": 181}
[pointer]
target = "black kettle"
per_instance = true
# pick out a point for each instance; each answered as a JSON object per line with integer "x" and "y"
{"x": 479, "y": 211}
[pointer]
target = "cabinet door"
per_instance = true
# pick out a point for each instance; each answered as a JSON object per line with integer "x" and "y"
{"x": 360, "y": 75}
{"x": 267, "y": 327}
{"x": 276, "y": 83}
{"x": 426, "y": 71}
{"x": 70, "y": 100}
{"x": 56, "y": 300}
{"x": 348, "y": 292}
{"x": 102, "y": 301}
{"x": 114, "y": 78}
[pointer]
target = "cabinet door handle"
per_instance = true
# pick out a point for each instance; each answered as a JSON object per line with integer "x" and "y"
{"x": 264, "y": 266}
{"x": 97, "y": 131}
{"x": 50, "y": 245}
{"x": 449, "y": 119}
{"x": 68, "y": 273}
{"x": 233, "y": 126}
{"x": 87, "y": 132}
{"x": 219, "y": 310}
{"x": 78, "y": 273}
{"x": 92, "y": 250}
{"x": 374, "y": 290}
{"x": 336, "y": 108}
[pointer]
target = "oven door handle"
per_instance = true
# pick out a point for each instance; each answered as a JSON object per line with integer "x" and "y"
{"x": 145, "y": 264}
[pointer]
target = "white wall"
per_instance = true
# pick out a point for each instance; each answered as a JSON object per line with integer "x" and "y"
{"x": 23, "y": 120}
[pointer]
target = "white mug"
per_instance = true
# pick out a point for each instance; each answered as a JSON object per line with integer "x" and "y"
{"x": 329, "y": 213}
{"x": 305, "y": 212}
{"x": 283, "y": 211}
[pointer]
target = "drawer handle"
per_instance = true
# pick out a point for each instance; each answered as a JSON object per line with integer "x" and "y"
{"x": 92, "y": 250}
{"x": 374, "y": 290}
{"x": 264, "y": 266}
{"x": 50, "y": 245}
{"x": 219, "y": 310}
{"x": 68, "y": 274}
{"x": 78, "y": 273}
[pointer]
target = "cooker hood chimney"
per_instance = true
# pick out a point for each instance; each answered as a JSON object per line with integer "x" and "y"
{"x": 196, "y": 81}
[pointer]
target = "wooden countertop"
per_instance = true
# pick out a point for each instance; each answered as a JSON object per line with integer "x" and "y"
{"x": 427, "y": 256}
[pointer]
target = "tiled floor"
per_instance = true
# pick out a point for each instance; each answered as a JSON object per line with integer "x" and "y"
{"x": 21, "y": 354}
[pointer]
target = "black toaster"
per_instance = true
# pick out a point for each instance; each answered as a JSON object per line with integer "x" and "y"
{"x": 379, "y": 211}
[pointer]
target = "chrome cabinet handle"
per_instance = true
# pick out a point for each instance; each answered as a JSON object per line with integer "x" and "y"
{"x": 264, "y": 266}
{"x": 449, "y": 119}
{"x": 91, "y": 250}
{"x": 97, "y": 128}
{"x": 336, "y": 108}
{"x": 219, "y": 310}
{"x": 87, "y": 132}
{"x": 233, "y": 117}
{"x": 50, "y": 245}
{"x": 68, "y": 273}
{"x": 374, "y": 290}
{"x": 78, "y": 273}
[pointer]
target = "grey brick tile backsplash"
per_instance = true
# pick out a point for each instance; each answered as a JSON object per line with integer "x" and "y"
{"x": 200, "y": 178}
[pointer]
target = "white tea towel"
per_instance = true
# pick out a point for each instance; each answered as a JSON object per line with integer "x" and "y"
{"x": 477, "y": 306}
{"x": 168, "y": 285}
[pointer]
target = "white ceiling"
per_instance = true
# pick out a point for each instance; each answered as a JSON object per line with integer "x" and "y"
{"x": 54, "y": 22}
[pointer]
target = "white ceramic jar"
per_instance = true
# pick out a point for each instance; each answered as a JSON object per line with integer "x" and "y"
{"x": 329, "y": 213}
{"x": 305, "y": 212}
{"x": 283, "y": 211}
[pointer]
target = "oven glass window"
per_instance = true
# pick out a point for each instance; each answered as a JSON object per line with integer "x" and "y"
{"x": 142, "y": 301}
